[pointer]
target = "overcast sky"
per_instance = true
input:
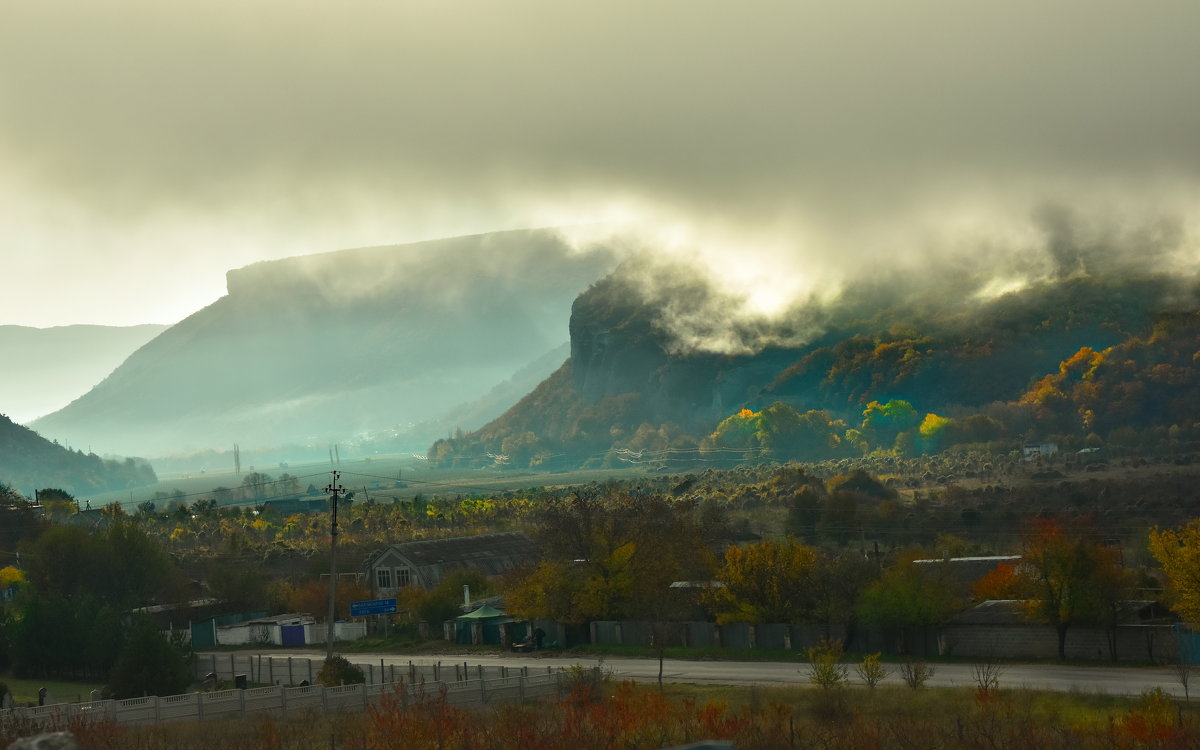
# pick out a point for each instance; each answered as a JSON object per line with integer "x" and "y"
{"x": 146, "y": 148}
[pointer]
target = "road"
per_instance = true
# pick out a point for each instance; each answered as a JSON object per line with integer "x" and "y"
{"x": 1110, "y": 680}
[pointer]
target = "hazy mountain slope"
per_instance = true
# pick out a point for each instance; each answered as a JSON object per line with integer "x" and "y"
{"x": 628, "y": 374}
{"x": 49, "y": 367}
{"x": 474, "y": 414}
{"x": 29, "y": 462}
{"x": 322, "y": 347}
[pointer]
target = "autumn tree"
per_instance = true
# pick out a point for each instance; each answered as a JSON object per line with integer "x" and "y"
{"x": 122, "y": 565}
{"x": 1065, "y": 577}
{"x": 59, "y": 504}
{"x": 780, "y": 431}
{"x": 313, "y": 597}
{"x": 766, "y": 582}
{"x": 910, "y": 597}
{"x": 610, "y": 554}
{"x": 883, "y": 423}
{"x": 838, "y": 583}
{"x": 246, "y": 589}
{"x": 738, "y": 432}
{"x": 1178, "y": 551}
{"x": 444, "y": 601}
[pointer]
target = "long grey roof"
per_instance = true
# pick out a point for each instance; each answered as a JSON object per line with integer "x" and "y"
{"x": 475, "y": 551}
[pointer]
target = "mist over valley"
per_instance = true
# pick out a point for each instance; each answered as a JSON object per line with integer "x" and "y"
{"x": 321, "y": 349}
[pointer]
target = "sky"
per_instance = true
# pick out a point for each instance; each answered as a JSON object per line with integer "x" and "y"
{"x": 146, "y": 147}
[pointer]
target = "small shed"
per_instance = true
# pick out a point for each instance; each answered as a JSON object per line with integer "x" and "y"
{"x": 484, "y": 625}
{"x": 279, "y": 630}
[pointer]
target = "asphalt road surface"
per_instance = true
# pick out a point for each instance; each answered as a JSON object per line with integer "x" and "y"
{"x": 1110, "y": 680}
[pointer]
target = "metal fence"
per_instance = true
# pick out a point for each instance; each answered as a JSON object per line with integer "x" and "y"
{"x": 263, "y": 669}
{"x": 281, "y": 700}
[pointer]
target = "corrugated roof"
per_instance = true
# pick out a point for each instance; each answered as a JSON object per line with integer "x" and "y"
{"x": 480, "y": 551}
{"x": 1012, "y": 612}
{"x": 486, "y": 612}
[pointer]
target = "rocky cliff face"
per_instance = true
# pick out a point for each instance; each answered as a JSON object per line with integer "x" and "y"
{"x": 628, "y": 371}
{"x": 620, "y": 345}
{"x": 615, "y": 345}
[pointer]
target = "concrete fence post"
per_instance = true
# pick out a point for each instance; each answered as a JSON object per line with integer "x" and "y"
{"x": 199, "y": 705}
{"x": 283, "y": 700}
{"x": 157, "y": 712}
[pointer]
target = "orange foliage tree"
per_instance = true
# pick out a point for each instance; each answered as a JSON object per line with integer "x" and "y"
{"x": 1065, "y": 577}
{"x": 313, "y": 597}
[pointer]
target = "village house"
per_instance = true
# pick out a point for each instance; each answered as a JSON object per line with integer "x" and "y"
{"x": 426, "y": 562}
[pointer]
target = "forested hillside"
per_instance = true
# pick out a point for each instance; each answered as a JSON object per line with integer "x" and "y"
{"x": 1081, "y": 361}
{"x": 29, "y": 461}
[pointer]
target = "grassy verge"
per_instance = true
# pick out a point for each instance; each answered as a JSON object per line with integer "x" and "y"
{"x": 25, "y": 692}
{"x": 753, "y": 718}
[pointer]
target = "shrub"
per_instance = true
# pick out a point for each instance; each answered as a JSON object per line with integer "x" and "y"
{"x": 584, "y": 684}
{"x": 915, "y": 673}
{"x": 338, "y": 671}
{"x": 987, "y": 675}
{"x": 871, "y": 671}
{"x": 824, "y": 668}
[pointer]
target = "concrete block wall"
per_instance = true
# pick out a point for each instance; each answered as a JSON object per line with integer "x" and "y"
{"x": 1137, "y": 643}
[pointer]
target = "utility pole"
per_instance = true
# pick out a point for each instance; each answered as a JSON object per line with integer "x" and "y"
{"x": 334, "y": 489}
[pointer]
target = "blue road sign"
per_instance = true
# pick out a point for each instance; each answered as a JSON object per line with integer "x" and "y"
{"x": 373, "y": 607}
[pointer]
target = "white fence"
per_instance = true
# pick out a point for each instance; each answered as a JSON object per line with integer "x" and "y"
{"x": 281, "y": 700}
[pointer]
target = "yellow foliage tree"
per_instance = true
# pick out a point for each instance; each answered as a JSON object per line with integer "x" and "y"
{"x": 10, "y": 576}
{"x": 766, "y": 582}
{"x": 1178, "y": 551}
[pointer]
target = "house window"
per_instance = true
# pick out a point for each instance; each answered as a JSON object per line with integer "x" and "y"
{"x": 403, "y": 578}
{"x": 383, "y": 578}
